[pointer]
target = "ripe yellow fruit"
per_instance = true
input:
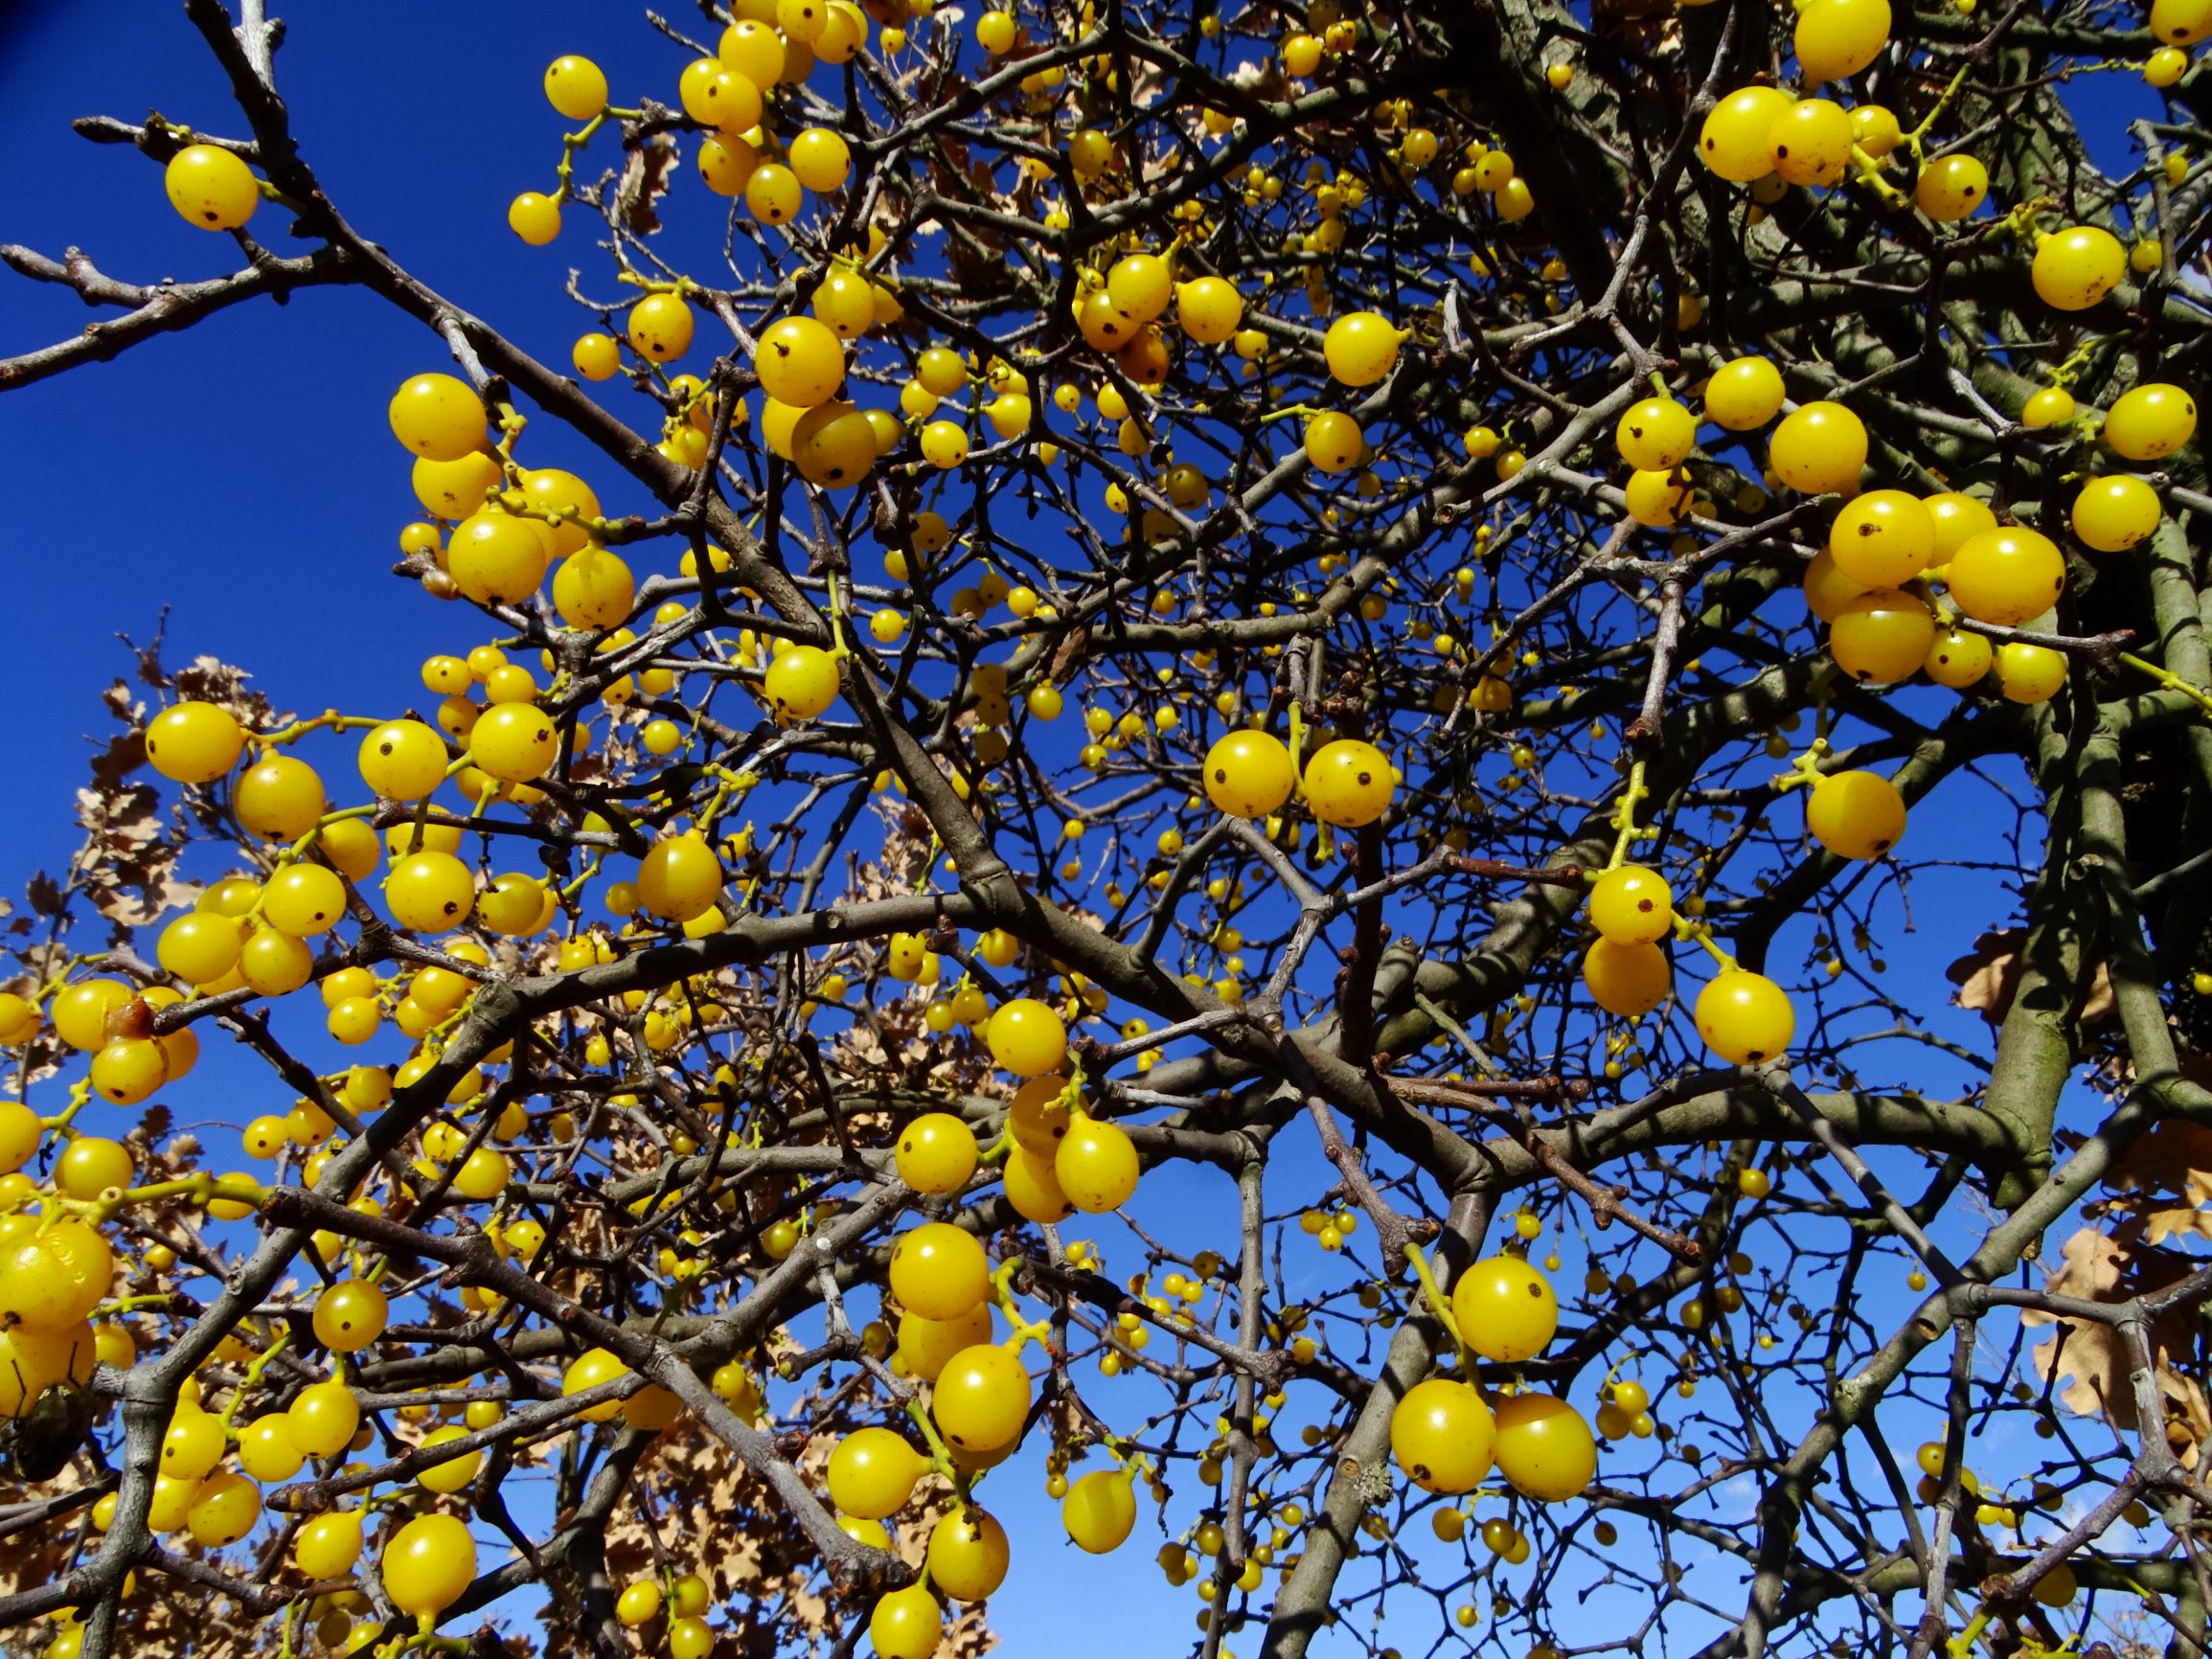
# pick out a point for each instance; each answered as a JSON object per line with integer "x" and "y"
{"x": 909, "y": 1624}
{"x": 820, "y": 158}
{"x": 211, "y": 188}
{"x": 2180, "y": 22}
{"x": 1249, "y": 774}
{"x": 1545, "y": 1449}
{"x": 1957, "y": 659}
{"x": 1855, "y": 814}
{"x": 1745, "y": 1018}
{"x": 575, "y": 87}
{"x": 2150, "y": 422}
{"x": 968, "y": 1553}
{"x": 1876, "y": 129}
{"x": 802, "y": 682}
{"x": 2114, "y": 514}
{"x": 1659, "y": 500}
{"x": 593, "y": 589}
{"x": 1026, "y": 1038}
{"x": 1334, "y": 442}
{"x": 1655, "y": 434}
{"x": 800, "y": 361}
{"x": 2006, "y": 576}
{"x": 1836, "y": 39}
{"x": 1737, "y": 139}
{"x": 194, "y": 743}
{"x": 2075, "y": 268}
{"x": 1100, "y": 1509}
{"x": 1881, "y": 636}
{"x": 1627, "y": 979}
{"x": 679, "y": 878}
{"x": 1950, "y": 188}
{"x": 428, "y": 1563}
{"x": 2029, "y": 673}
{"x": 1883, "y": 538}
{"x": 1819, "y": 447}
{"x": 439, "y": 417}
{"x": 1349, "y": 783}
{"x": 660, "y": 327}
{"x": 1744, "y": 393}
{"x": 1811, "y": 141}
{"x": 2165, "y": 66}
{"x": 2051, "y": 406}
{"x": 1442, "y": 1435}
{"x": 1096, "y": 1165}
{"x": 1361, "y": 348}
{"x": 1209, "y": 309}
{"x": 1632, "y": 905}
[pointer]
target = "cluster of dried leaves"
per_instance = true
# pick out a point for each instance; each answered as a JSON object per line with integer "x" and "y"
{"x": 732, "y": 1532}
{"x": 2162, "y": 1199}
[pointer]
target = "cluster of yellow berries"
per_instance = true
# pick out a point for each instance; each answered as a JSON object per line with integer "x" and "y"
{"x": 1899, "y": 571}
{"x": 1446, "y": 1437}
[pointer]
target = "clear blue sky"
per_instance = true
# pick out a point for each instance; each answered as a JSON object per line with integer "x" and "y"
{"x": 242, "y": 476}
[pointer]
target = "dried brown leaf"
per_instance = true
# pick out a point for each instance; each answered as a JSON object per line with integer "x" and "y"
{"x": 2165, "y": 1225}
{"x": 129, "y": 710}
{"x": 1989, "y": 974}
{"x": 644, "y": 180}
{"x": 706, "y": 1514}
{"x": 124, "y": 755}
{"x": 2098, "y": 1266}
{"x": 2174, "y": 1156}
{"x": 1071, "y": 652}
